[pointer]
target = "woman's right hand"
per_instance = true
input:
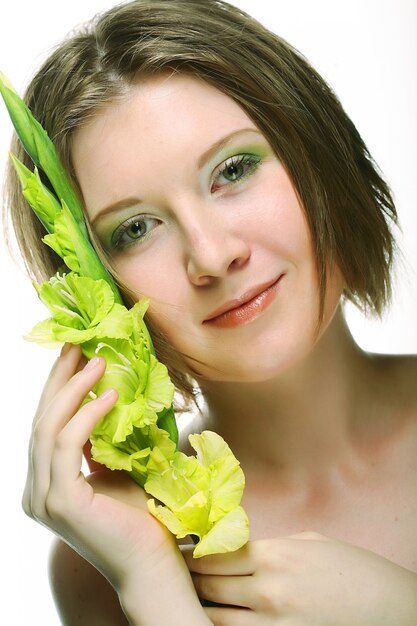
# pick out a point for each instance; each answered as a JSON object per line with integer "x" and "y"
{"x": 104, "y": 518}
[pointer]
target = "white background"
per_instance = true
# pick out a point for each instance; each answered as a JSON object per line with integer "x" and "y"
{"x": 367, "y": 50}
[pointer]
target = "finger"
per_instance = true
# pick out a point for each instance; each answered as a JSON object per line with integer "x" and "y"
{"x": 68, "y": 452}
{"x": 62, "y": 370}
{"x": 237, "y": 591}
{"x": 69, "y": 397}
{"x": 93, "y": 466}
{"x": 55, "y": 491}
{"x": 64, "y": 367}
{"x": 238, "y": 563}
{"x": 60, "y": 410}
{"x": 225, "y": 616}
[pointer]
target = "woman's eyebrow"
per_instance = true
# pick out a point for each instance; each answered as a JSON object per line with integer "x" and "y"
{"x": 221, "y": 143}
{"x": 126, "y": 203}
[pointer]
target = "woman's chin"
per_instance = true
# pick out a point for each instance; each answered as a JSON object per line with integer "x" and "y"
{"x": 249, "y": 369}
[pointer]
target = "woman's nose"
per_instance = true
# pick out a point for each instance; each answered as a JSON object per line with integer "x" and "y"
{"x": 213, "y": 253}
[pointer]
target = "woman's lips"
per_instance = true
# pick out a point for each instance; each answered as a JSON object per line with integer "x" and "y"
{"x": 245, "y": 309}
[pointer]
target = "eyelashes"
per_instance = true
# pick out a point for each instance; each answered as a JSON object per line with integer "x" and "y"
{"x": 234, "y": 170}
{"x": 134, "y": 229}
{"x": 231, "y": 172}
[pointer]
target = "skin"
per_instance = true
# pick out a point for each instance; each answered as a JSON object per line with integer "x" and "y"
{"x": 341, "y": 424}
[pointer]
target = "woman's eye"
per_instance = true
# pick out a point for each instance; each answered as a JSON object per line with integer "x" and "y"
{"x": 133, "y": 230}
{"x": 234, "y": 170}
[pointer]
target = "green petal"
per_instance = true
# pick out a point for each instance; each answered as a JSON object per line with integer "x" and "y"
{"x": 227, "y": 480}
{"x": 194, "y": 514}
{"x": 79, "y": 305}
{"x": 140, "y": 332}
{"x": 159, "y": 391}
{"x": 229, "y": 534}
{"x": 160, "y": 439}
{"x": 93, "y": 298}
{"x": 209, "y": 447}
{"x": 117, "y": 323}
{"x": 167, "y": 517}
{"x": 118, "y": 424}
{"x": 71, "y": 335}
{"x": 62, "y": 310}
{"x": 43, "y": 334}
{"x": 166, "y": 421}
{"x": 190, "y": 519}
{"x": 113, "y": 457}
{"x": 174, "y": 480}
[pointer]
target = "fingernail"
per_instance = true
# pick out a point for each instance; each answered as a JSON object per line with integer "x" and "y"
{"x": 106, "y": 394}
{"x": 65, "y": 349}
{"x": 92, "y": 364}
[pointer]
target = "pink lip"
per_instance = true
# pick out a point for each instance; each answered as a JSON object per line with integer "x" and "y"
{"x": 246, "y": 307}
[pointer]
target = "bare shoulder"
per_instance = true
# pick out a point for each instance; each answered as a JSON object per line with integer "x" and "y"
{"x": 395, "y": 392}
{"x": 82, "y": 595}
{"x": 399, "y": 374}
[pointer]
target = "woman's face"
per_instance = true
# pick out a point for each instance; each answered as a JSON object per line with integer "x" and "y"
{"x": 198, "y": 214}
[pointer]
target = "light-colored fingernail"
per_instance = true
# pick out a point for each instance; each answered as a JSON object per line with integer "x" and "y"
{"x": 65, "y": 349}
{"x": 106, "y": 394}
{"x": 92, "y": 364}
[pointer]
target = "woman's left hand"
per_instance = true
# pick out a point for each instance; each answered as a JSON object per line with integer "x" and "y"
{"x": 304, "y": 580}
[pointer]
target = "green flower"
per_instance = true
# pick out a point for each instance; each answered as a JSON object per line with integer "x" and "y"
{"x": 201, "y": 494}
{"x": 81, "y": 308}
{"x": 132, "y": 454}
{"x": 143, "y": 385}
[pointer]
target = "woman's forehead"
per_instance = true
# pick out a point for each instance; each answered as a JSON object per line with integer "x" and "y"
{"x": 174, "y": 120}
{"x": 157, "y": 101}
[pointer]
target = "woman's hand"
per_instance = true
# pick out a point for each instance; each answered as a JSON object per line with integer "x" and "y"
{"x": 305, "y": 580}
{"x": 104, "y": 518}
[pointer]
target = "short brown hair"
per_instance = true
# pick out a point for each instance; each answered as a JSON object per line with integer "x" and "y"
{"x": 347, "y": 203}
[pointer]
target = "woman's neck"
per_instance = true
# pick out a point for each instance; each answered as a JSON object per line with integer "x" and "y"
{"x": 308, "y": 419}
